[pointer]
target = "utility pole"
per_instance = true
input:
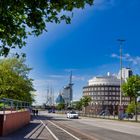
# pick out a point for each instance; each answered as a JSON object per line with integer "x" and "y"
{"x": 121, "y": 107}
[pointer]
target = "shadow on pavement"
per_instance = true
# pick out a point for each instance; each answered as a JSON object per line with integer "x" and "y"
{"x": 27, "y": 131}
{"x": 22, "y": 132}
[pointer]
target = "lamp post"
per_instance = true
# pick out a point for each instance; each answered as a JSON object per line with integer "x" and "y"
{"x": 120, "y": 107}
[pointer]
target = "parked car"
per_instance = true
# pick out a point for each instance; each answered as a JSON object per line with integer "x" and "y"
{"x": 104, "y": 113}
{"x": 128, "y": 115}
{"x": 49, "y": 111}
{"x": 72, "y": 115}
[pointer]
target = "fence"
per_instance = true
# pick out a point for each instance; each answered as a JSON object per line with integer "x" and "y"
{"x": 10, "y": 105}
{"x": 112, "y": 117}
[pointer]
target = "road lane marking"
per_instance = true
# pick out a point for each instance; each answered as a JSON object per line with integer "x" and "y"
{"x": 49, "y": 130}
{"x": 31, "y": 134}
{"x": 64, "y": 131}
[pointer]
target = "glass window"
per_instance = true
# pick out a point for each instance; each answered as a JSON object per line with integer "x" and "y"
{"x": 102, "y": 93}
{"x": 106, "y": 88}
{"x": 106, "y": 98}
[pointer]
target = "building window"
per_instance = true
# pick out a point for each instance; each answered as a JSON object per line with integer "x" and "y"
{"x": 106, "y": 98}
{"x": 106, "y": 88}
{"x": 102, "y": 88}
{"x": 113, "y": 93}
{"x": 102, "y": 93}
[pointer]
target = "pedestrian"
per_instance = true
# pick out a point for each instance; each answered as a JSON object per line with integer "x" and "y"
{"x": 33, "y": 112}
{"x": 36, "y": 112}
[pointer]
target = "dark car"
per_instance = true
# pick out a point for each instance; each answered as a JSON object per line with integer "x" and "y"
{"x": 128, "y": 115}
{"x": 49, "y": 111}
{"x": 104, "y": 113}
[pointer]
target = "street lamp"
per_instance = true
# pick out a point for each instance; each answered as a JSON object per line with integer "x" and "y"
{"x": 120, "y": 42}
{"x": 120, "y": 107}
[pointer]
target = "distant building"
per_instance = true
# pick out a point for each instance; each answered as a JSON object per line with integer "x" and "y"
{"x": 126, "y": 73}
{"x": 67, "y": 92}
{"x": 60, "y": 99}
{"x": 105, "y": 93}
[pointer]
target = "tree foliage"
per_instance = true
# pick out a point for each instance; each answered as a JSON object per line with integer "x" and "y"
{"x": 20, "y": 18}
{"x": 132, "y": 87}
{"x": 77, "y": 105}
{"x": 14, "y": 80}
{"x": 83, "y": 102}
{"x": 131, "y": 107}
{"x": 86, "y": 100}
{"x": 60, "y": 106}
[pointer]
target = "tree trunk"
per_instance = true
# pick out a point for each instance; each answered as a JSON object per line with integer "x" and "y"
{"x": 136, "y": 117}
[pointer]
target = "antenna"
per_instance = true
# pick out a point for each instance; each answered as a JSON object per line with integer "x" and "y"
{"x": 70, "y": 78}
{"x": 70, "y": 86}
{"x": 50, "y": 96}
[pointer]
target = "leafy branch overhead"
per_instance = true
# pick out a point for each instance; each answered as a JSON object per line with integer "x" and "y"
{"x": 20, "y": 18}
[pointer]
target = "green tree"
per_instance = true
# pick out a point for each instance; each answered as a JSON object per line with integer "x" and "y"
{"x": 78, "y": 105}
{"x": 61, "y": 106}
{"x": 131, "y": 107}
{"x": 14, "y": 80}
{"x": 85, "y": 102}
{"x": 131, "y": 88}
{"x": 20, "y": 18}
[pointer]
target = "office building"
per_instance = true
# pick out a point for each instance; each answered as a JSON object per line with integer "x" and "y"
{"x": 105, "y": 92}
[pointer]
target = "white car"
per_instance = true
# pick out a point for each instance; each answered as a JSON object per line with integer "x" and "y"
{"x": 72, "y": 115}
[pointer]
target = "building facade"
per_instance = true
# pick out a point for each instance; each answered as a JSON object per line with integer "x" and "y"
{"x": 105, "y": 94}
{"x": 67, "y": 92}
{"x": 126, "y": 72}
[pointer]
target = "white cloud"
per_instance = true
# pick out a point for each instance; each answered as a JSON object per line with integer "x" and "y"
{"x": 135, "y": 60}
{"x": 56, "y": 82}
{"x": 56, "y": 76}
{"x": 78, "y": 78}
{"x": 115, "y": 55}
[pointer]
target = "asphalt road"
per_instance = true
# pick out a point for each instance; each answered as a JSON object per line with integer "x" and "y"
{"x": 101, "y": 129}
{"x": 57, "y": 127}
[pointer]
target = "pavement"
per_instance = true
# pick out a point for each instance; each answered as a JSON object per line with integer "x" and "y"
{"x": 23, "y": 133}
{"x": 30, "y": 130}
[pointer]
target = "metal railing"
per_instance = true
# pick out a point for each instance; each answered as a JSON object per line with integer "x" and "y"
{"x": 11, "y": 105}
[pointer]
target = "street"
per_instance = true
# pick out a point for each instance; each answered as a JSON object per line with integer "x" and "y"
{"x": 51, "y": 126}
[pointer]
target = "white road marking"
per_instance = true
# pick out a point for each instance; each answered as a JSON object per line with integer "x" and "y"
{"x": 49, "y": 131}
{"x": 64, "y": 131}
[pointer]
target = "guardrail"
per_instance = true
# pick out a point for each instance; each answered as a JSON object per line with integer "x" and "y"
{"x": 10, "y": 105}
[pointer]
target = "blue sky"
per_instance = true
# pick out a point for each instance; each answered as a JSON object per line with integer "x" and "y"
{"x": 88, "y": 46}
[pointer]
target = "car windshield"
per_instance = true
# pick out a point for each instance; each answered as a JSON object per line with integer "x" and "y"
{"x": 73, "y": 112}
